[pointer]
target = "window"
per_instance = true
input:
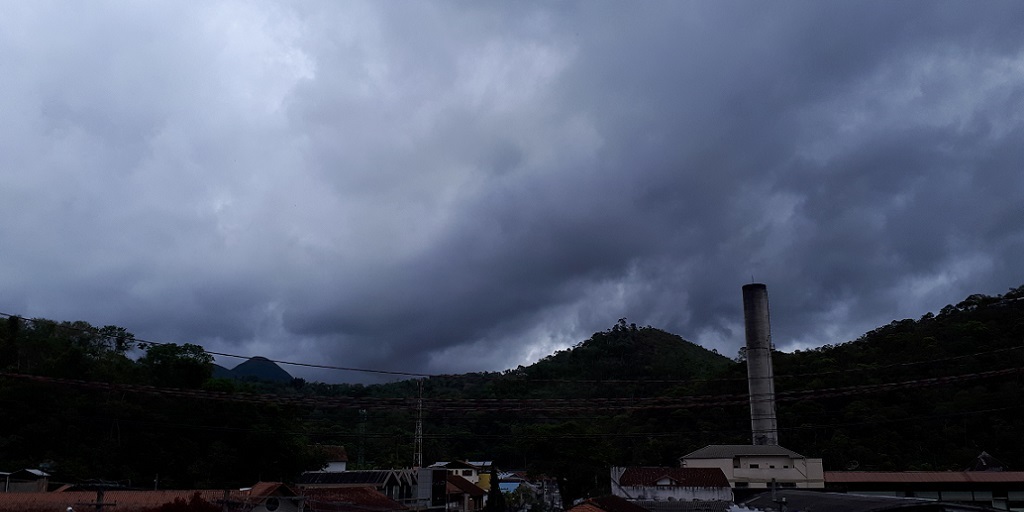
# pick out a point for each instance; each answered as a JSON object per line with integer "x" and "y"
{"x": 467, "y": 472}
{"x": 755, "y": 466}
{"x": 772, "y": 466}
{"x": 742, "y": 485}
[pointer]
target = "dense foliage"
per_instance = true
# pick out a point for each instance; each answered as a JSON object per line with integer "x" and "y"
{"x": 571, "y": 415}
{"x": 77, "y": 432}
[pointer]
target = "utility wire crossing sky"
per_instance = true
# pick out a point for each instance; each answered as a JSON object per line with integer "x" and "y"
{"x": 449, "y": 187}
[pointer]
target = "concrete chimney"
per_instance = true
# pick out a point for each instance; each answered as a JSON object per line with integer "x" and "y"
{"x": 760, "y": 378}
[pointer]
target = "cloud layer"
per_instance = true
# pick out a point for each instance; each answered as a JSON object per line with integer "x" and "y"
{"x": 452, "y": 187}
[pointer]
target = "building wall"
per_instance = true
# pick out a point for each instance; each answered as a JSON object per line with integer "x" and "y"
{"x": 758, "y": 471}
{"x": 281, "y": 504}
{"x": 23, "y": 486}
{"x": 1000, "y": 496}
{"x": 672, "y": 493}
{"x": 336, "y": 467}
{"x": 468, "y": 474}
{"x": 665, "y": 490}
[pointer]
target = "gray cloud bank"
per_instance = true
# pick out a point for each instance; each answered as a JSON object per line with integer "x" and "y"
{"x": 448, "y": 187}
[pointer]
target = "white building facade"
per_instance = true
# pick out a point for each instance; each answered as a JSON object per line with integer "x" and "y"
{"x": 642, "y": 484}
{"x": 757, "y": 466}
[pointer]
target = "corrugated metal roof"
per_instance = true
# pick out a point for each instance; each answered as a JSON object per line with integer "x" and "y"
{"x": 463, "y": 464}
{"x": 369, "y": 477}
{"x": 509, "y": 486}
{"x": 728, "y": 451}
{"x": 682, "y": 477}
{"x": 834, "y": 502}
{"x": 841, "y": 477}
{"x": 686, "y": 506}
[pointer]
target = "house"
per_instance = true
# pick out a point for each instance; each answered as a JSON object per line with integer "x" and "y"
{"x": 262, "y": 497}
{"x": 463, "y": 495}
{"x": 643, "y": 484}
{"x": 758, "y": 466}
{"x": 350, "y": 499}
{"x": 431, "y": 488}
{"x": 337, "y": 457}
{"x": 474, "y": 471}
{"x": 512, "y": 481}
{"x": 271, "y": 497}
{"x": 25, "y": 480}
{"x": 397, "y": 484}
{"x": 607, "y": 504}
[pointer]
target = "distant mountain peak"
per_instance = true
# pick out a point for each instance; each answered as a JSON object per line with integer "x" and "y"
{"x": 256, "y": 368}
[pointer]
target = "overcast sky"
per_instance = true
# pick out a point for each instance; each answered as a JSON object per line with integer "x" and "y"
{"x": 442, "y": 187}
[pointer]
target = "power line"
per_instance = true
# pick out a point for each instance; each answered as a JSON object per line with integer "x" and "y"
{"x": 513, "y": 378}
{"x": 508, "y": 405}
{"x": 225, "y": 354}
{"x": 538, "y": 435}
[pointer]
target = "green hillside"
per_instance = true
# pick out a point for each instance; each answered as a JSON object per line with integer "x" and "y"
{"x": 629, "y": 352}
{"x": 929, "y": 393}
{"x": 254, "y": 369}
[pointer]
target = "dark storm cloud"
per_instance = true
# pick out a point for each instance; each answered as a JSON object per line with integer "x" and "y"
{"x": 449, "y": 187}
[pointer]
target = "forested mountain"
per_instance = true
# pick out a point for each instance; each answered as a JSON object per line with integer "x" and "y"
{"x": 253, "y": 369}
{"x": 915, "y": 394}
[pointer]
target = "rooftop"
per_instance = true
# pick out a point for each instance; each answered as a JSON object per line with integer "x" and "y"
{"x": 848, "y": 477}
{"x": 607, "y": 504}
{"x": 457, "y": 484}
{"x": 365, "y": 499}
{"x": 682, "y": 477}
{"x": 834, "y": 502}
{"x": 728, "y": 451}
{"x": 367, "y": 477}
{"x": 130, "y": 501}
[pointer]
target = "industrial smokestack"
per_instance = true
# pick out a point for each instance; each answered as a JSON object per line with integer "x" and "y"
{"x": 760, "y": 377}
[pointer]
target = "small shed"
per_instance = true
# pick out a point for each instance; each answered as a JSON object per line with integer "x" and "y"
{"x": 26, "y": 480}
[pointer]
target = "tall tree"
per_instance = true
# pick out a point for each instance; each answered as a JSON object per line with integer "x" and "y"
{"x": 495, "y": 499}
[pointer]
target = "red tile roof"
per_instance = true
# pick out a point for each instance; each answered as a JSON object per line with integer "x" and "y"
{"x": 841, "y": 477}
{"x": 350, "y": 499}
{"x": 464, "y": 486}
{"x": 682, "y": 477}
{"x": 607, "y": 504}
{"x": 586, "y": 507}
{"x": 270, "y": 489}
{"x": 375, "y": 477}
{"x": 125, "y": 501}
{"x": 728, "y": 451}
{"x": 134, "y": 501}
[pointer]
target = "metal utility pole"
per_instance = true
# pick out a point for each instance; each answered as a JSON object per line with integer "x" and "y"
{"x": 362, "y": 439}
{"x": 417, "y": 457}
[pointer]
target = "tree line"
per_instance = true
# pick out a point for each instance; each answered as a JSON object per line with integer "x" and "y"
{"x": 932, "y": 423}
